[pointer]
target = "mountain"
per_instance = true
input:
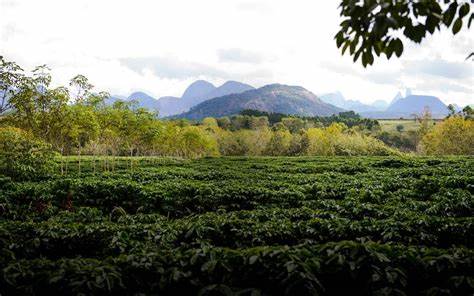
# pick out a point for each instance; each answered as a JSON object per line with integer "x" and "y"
{"x": 380, "y": 105}
{"x": 408, "y": 106}
{"x": 199, "y": 91}
{"x": 230, "y": 87}
{"x": 114, "y": 98}
{"x": 338, "y": 100}
{"x": 416, "y": 104}
{"x": 169, "y": 106}
{"x": 144, "y": 100}
{"x": 196, "y": 93}
{"x": 270, "y": 98}
{"x": 397, "y": 97}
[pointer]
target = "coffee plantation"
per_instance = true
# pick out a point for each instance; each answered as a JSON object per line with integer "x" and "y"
{"x": 242, "y": 226}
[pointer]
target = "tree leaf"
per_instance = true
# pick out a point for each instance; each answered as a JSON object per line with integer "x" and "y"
{"x": 398, "y": 47}
{"x": 450, "y": 13}
{"x": 464, "y": 10}
{"x": 457, "y": 26}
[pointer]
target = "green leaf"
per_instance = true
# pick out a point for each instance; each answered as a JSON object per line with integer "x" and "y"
{"x": 354, "y": 43}
{"x": 364, "y": 59}
{"x": 253, "y": 259}
{"x": 450, "y": 13}
{"x": 356, "y": 56}
{"x": 339, "y": 38}
{"x": 389, "y": 50}
{"x": 464, "y": 10}
{"x": 431, "y": 23}
{"x": 370, "y": 58}
{"x": 346, "y": 45}
{"x": 457, "y": 26}
{"x": 209, "y": 266}
{"x": 378, "y": 48}
{"x": 398, "y": 47}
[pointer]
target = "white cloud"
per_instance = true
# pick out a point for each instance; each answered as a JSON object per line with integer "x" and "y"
{"x": 162, "y": 46}
{"x": 238, "y": 55}
{"x": 172, "y": 67}
{"x": 440, "y": 67}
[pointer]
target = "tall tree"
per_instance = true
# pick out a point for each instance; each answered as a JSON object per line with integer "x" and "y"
{"x": 11, "y": 78}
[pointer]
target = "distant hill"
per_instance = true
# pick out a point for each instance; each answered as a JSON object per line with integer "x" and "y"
{"x": 416, "y": 104}
{"x": 200, "y": 100}
{"x": 196, "y": 93}
{"x": 168, "y": 106}
{"x": 270, "y": 98}
{"x": 380, "y": 105}
{"x": 199, "y": 91}
{"x": 230, "y": 87}
{"x": 412, "y": 104}
{"x": 144, "y": 100}
{"x": 338, "y": 100}
{"x": 397, "y": 97}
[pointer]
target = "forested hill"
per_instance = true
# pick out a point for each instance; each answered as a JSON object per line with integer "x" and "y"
{"x": 275, "y": 98}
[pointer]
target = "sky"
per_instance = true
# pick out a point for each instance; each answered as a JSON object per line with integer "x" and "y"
{"x": 160, "y": 47}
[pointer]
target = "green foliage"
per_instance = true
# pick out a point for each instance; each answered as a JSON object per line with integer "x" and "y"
{"x": 349, "y": 118}
{"x": 372, "y": 27}
{"x": 404, "y": 141}
{"x": 400, "y": 128}
{"x": 23, "y": 157}
{"x": 455, "y": 136}
{"x": 274, "y": 226}
{"x": 10, "y": 78}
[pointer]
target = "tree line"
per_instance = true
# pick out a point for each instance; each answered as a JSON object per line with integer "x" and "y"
{"x": 36, "y": 118}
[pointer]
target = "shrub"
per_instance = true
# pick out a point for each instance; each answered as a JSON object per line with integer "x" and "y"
{"x": 24, "y": 157}
{"x": 357, "y": 144}
{"x": 455, "y": 135}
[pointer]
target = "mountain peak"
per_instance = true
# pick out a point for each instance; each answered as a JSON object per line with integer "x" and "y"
{"x": 276, "y": 98}
{"x": 138, "y": 94}
{"x": 231, "y": 82}
{"x": 417, "y": 103}
{"x": 338, "y": 100}
{"x": 198, "y": 88}
{"x": 284, "y": 87}
{"x": 397, "y": 97}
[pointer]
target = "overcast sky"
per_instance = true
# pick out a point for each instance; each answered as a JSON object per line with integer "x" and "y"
{"x": 162, "y": 46}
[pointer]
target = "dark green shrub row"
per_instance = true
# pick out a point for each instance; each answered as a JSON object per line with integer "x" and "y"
{"x": 59, "y": 238}
{"x": 332, "y": 269}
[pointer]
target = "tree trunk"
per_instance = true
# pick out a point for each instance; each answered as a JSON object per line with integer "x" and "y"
{"x": 67, "y": 162}
{"x": 62, "y": 168}
{"x": 79, "y": 160}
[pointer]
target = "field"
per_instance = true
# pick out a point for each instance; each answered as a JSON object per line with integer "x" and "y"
{"x": 246, "y": 226}
{"x": 390, "y": 125}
